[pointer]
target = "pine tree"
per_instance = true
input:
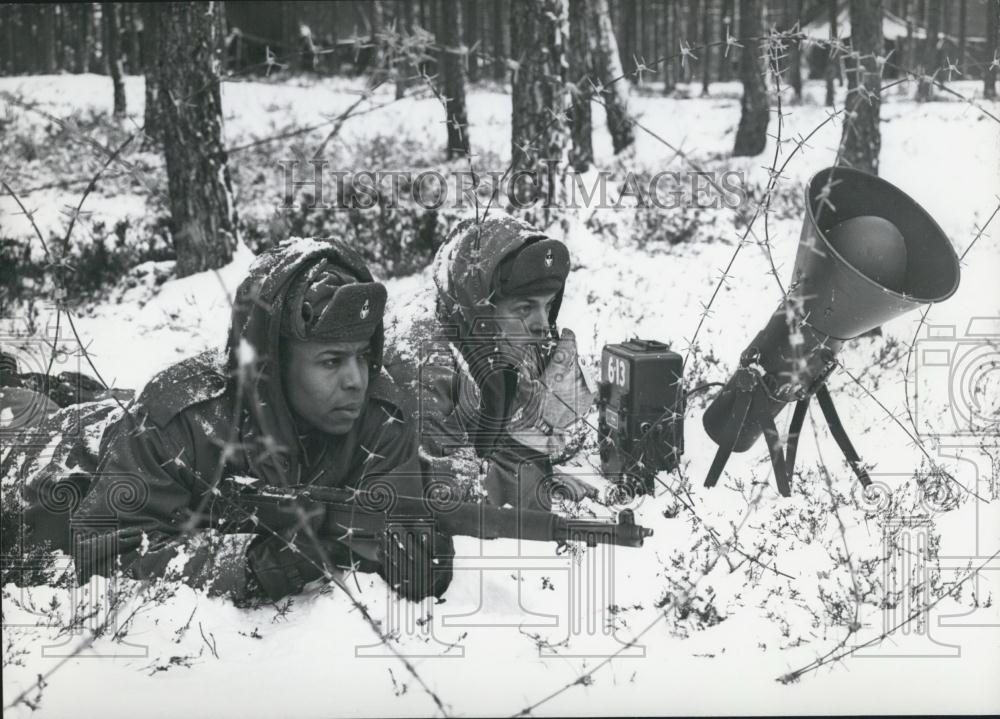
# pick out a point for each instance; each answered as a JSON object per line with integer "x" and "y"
{"x": 932, "y": 52}
{"x": 862, "y": 140}
{"x": 454, "y": 75}
{"x": 540, "y": 136}
{"x": 112, "y": 55}
{"x": 608, "y": 73}
{"x": 202, "y": 210}
{"x": 580, "y": 64}
{"x": 151, "y": 39}
{"x": 751, "y": 135}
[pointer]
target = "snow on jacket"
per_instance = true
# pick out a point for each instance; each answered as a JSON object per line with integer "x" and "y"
{"x": 221, "y": 415}
{"x": 435, "y": 360}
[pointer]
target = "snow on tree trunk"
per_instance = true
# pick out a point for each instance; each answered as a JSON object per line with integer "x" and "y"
{"x": 540, "y": 98}
{"x": 453, "y": 76}
{"x": 607, "y": 68}
{"x": 203, "y": 214}
{"x": 861, "y": 139}
{"x": 580, "y": 64}
{"x": 751, "y": 135}
{"x": 112, "y": 55}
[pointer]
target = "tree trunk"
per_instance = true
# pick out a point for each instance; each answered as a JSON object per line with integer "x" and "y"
{"x": 656, "y": 15}
{"x": 930, "y": 63}
{"x": 604, "y": 56}
{"x": 669, "y": 32}
{"x": 962, "y": 16}
{"x": 706, "y": 41}
{"x": 470, "y": 38}
{"x": 7, "y": 49}
{"x": 404, "y": 28}
{"x": 640, "y": 49}
{"x": 112, "y": 55}
{"x": 861, "y": 138}
{"x": 48, "y": 37}
{"x": 795, "y": 51}
{"x": 288, "y": 51}
{"x": 580, "y": 64}
{"x": 628, "y": 37}
{"x": 908, "y": 51}
{"x": 540, "y": 100}
{"x": 134, "y": 51}
{"x": 499, "y": 55}
{"x": 202, "y": 210}
{"x": 379, "y": 56}
{"x": 61, "y": 34}
{"x": 693, "y": 10}
{"x": 833, "y": 58}
{"x": 726, "y": 27}
{"x": 992, "y": 41}
{"x": 83, "y": 48}
{"x": 751, "y": 135}
{"x": 453, "y": 74}
{"x": 153, "y": 133}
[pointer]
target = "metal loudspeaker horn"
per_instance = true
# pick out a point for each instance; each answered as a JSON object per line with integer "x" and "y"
{"x": 868, "y": 253}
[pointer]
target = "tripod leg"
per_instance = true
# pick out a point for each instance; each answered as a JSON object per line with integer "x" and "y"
{"x": 794, "y": 430}
{"x": 781, "y": 475}
{"x": 741, "y": 408}
{"x": 839, "y": 434}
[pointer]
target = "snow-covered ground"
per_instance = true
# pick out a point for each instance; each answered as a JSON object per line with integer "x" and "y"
{"x": 699, "y": 627}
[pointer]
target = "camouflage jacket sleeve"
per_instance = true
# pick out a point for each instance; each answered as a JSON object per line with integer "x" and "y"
{"x": 138, "y": 506}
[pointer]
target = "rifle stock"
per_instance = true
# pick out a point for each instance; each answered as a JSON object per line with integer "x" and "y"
{"x": 366, "y": 513}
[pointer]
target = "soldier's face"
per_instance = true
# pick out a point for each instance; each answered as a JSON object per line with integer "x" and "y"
{"x": 325, "y": 382}
{"x": 526, "y": 318}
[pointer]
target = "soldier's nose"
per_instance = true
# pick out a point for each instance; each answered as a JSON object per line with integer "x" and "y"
{"x": 353, "y": 374}
{"x": 538, "y": 322}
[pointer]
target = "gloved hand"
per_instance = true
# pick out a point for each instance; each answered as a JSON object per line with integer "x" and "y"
{"x": 545, "y": 408}
{"x": 416, "y": 561}
{"x": 280, "y": 570}
{"x": 283, "y": 561}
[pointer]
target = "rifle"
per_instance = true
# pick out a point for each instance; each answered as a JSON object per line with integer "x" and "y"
{"x": 371, "y": 511}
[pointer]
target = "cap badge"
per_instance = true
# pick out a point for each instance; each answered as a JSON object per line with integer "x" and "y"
{"x": 549, "y": 259}
{"x": 365, "y": 309}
